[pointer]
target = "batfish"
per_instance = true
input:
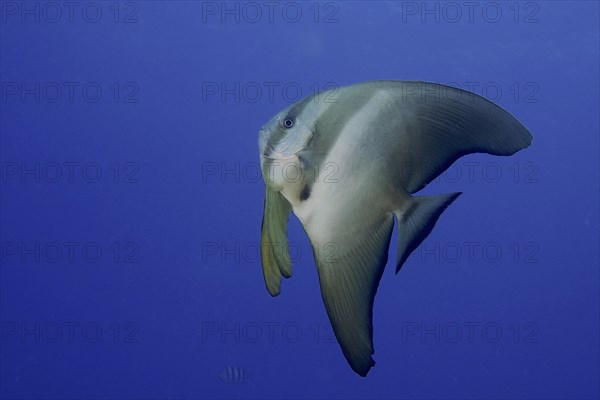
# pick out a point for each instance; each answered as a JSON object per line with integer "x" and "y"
{"x": 346, "y": 161}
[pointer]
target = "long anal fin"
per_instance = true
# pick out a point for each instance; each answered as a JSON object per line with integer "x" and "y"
{"x": 416, "y": 220}
{"x": 350, "y": 268}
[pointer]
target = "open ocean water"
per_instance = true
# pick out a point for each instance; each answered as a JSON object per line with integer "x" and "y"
{"x": 132, "y": 198}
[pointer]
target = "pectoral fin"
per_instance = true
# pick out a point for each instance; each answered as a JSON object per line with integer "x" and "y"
{"x": 274, "y": 248}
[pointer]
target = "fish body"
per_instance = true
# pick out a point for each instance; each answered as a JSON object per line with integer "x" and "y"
{"x": 347, "y": 163}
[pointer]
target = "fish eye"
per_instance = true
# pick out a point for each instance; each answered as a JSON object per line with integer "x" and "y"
{"x": 288, "y": 122}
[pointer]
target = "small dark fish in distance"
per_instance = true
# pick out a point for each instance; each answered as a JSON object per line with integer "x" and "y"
{"x": 235, "y": 375}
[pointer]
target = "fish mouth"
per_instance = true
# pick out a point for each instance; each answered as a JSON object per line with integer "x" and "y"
{"x": 283, "y": 150}
{"x": 290, "y": 151}
{"x": 271, "y": 154}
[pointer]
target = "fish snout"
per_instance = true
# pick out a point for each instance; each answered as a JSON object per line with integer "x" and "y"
{"x": 263, "y": 137}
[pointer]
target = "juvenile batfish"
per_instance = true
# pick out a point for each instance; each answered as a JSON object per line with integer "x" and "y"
{"x": 347, "y": 161}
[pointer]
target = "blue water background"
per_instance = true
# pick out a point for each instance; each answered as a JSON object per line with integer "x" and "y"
{"x": 192, "y": 301}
